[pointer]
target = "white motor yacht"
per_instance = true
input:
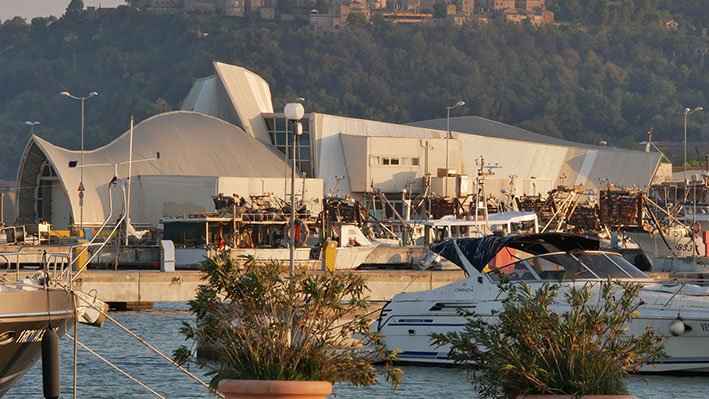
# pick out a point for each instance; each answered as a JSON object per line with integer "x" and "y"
{"x": 679, "y": 312}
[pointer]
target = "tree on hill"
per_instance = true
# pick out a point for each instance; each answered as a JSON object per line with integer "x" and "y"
{"x": 75, "y": 5}
{"x": 581, "y": 83}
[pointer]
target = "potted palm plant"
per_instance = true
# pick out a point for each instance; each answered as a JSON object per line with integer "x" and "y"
{"x": 271, "y": 332}
{"x": 532, "y": 349}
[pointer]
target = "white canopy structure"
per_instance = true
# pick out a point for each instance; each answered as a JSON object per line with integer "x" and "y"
{"x": 192, "y": 147}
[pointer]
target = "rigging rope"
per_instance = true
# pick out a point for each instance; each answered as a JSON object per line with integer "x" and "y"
{"x": 76, "y": 334}
{"x": 153, "y": 348}
{"x": 115, "y": 367}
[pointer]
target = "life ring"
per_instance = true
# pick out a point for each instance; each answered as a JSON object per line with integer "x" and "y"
{"x": 695, "y": 228}
{"x": 301, "y": 232}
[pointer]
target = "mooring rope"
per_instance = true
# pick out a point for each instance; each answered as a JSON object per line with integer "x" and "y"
{"x": 115, "y": 367}
{"x": 153, "y": 348}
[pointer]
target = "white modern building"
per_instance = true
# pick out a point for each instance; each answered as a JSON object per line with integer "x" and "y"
{"x": 228, "y": 139}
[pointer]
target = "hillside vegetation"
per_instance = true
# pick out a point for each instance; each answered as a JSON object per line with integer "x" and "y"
{"x": 580, "y": 81}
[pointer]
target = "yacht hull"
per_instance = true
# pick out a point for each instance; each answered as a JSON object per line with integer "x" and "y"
{"x": 679, "y": 313}
{"x": 407, "y": 327}
{"x": 24, "y": 317}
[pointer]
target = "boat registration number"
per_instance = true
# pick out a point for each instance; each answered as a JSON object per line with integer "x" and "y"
{"x": 686, "y": 247}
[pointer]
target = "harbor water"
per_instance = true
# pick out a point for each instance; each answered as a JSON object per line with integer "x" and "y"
{"x": 160, "y": 327}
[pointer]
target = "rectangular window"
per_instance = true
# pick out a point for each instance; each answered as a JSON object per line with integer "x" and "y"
{"x": 373, "y": 161}
{"x": 415, "y": 161}
{"x": 395, "y": 161}
{"x": 280, "y": 139}
{"x": 280, "y": 125}
{"x": 385, "y": 161}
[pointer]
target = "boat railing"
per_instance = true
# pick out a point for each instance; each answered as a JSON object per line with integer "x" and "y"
{"x": 54, "y": 265}
{"x": 582, "y": 267}
{"x": 85, "y": 247}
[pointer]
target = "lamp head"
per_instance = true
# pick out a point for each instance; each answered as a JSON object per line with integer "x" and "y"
{"x": 687, "y": 111}
{"x": 28, "y": 123}
{"x": 458, "y": 104}
{"x": 294, "y": 111}
{"x": 93, "y": 94}
{"x": 65, "y": 93}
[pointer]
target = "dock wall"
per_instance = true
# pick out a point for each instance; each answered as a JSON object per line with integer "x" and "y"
{"x": 136, "y": 287}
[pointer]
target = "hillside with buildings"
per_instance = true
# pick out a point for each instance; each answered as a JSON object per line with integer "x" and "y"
{"x": 583, "y": 81}
{"x": 335, "y": 14}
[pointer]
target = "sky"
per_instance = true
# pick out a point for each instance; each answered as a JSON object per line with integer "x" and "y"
{"x": 29, "y": 9}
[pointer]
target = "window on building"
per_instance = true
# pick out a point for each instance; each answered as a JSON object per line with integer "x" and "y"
{"x": 281, "y": 133}
{"x": 393, "y": 161}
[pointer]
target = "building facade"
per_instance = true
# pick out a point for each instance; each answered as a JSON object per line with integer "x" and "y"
{"x": 228, "y": 139}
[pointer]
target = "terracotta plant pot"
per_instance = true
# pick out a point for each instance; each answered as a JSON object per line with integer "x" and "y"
{"x": 268, "y": 389}
{"x": 581, "y": 397}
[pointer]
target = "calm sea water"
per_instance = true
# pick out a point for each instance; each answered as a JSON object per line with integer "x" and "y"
{"x": 160, "y": 327}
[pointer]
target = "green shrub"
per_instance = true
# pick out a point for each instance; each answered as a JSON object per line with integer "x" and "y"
{"x": 529, "y": 348}
{"x": 262, "y": 324}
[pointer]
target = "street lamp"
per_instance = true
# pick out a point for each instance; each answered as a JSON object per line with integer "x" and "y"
{"x": 81, "y": 179}
{"x": 293, "y": 112}
{"x": 448, "y": 127}
{"x": 687, "y": 111}
{"x": 31, "y": 125}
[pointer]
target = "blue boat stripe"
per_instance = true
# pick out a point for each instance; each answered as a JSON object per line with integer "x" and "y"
{"x": 441, "y": 356}
{"x": 428, "y": 325}
{"x": 437, "y": 355}
{"x": 415, "y": 353}
{"x": 668, "y": 361}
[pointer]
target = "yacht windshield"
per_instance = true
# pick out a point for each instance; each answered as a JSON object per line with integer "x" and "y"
{"x": 590, "y": 265}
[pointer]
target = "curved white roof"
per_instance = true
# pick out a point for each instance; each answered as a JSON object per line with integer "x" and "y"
{"x": 189, "y": 144}
{"x": 234, "y": 94}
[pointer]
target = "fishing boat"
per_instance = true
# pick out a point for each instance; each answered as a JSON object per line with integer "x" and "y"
{"x": 679, "y": 312}
{"x": 261, "y": 229}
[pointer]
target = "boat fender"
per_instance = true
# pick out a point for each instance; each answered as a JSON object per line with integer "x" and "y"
{"x": 50, "y": 365}
{"x": 677, "y": 327}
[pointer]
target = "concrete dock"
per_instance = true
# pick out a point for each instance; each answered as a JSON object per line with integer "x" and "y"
{"x": 140, "y": 288}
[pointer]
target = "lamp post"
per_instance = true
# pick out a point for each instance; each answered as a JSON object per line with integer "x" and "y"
{"x": 31, "y": 125}
{"x": 687, "y": 111}
{"x": 81, "y": 170}
{"x": 293, "y": 112}
{"x": 448, "y": 127}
